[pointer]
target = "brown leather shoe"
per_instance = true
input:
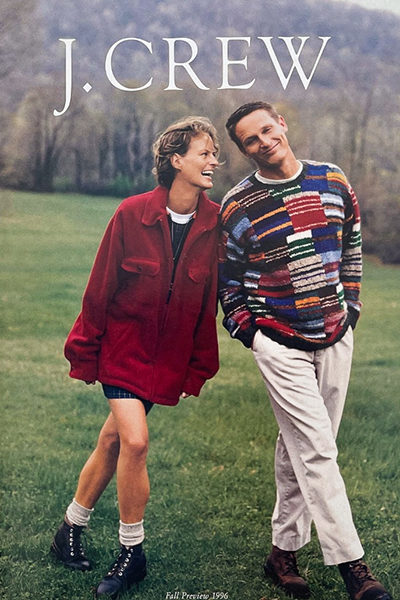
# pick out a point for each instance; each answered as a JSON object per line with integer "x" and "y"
{"x": 281, "y": 567}
{"x": 360, "y": 583}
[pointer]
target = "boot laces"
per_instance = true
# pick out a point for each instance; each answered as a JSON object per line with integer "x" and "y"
{"x": 121, "y": 563}
{"x": 75, "y": 543}
{"x": 290, "y": 564}
{"x": 360, "y": 574}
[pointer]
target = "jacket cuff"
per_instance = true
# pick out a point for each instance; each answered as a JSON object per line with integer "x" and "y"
{"x": 85, "y": 371}
{"x": 192, "y": 383}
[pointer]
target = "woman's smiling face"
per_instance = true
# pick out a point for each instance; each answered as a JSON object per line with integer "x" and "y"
{"x": 197, "y": 166}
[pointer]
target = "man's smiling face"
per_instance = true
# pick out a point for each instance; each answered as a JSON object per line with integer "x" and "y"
{"x": 263, "y": 139}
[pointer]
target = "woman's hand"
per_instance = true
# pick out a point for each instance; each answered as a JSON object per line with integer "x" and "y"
{"x": 185, "y": 395}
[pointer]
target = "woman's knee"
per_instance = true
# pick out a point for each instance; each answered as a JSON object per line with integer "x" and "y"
{"x": 136, "y": 446}
{"x": 130, "y": 419}
{"x": 109, "y": 442}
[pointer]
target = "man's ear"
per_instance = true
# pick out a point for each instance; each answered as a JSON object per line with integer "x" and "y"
{"x": 282, "y": 123}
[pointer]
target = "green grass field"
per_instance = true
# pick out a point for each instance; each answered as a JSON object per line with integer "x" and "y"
{"x": 211, "y": 458}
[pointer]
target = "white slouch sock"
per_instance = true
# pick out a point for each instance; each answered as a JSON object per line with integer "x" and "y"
{"x": 131, "y": 534}
{"x": 77, "y": 514}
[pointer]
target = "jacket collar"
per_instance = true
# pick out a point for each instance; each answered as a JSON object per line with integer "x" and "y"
{"x": 155, "y": 209}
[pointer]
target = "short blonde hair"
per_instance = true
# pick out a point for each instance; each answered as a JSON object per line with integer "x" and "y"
{"x": 176, "y": 139}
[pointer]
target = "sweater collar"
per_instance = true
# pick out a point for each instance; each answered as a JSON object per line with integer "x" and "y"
{"x": 155, "y": 209}
{"x": 279, "y": 181}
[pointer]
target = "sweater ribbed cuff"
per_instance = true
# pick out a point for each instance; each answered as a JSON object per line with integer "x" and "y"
{"x": 246, "y": 336}
{"x": 352, "y": 316}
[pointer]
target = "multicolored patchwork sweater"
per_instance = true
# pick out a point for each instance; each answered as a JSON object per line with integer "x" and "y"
{"x": 290, "y": 261}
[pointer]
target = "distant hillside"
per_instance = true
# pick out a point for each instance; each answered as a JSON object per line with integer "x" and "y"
{"x": 358, "y": 35}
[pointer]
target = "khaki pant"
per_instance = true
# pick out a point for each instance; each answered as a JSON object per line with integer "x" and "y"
{"x": 307, "y": 392}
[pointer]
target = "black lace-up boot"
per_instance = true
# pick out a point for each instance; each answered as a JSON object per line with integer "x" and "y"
{"x": 281, "y": 567}
{"x": 67, "y": 547}
{"x": 129, "y": 568}
{"x": 360, "y": 583}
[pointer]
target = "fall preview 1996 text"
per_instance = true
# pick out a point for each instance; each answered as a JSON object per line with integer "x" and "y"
{"x": 180, "y": 595}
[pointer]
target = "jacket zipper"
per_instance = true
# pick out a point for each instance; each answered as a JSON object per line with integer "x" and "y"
{"x": 185, "y": 250}
{"x": 167, "y": 242}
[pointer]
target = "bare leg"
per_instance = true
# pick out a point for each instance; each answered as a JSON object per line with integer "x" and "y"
{"x": 132, "y": 479}
{"x": 93, "y": 479}
{"x": 100, "y": 466}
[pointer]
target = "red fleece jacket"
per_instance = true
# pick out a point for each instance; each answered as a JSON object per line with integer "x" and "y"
{"x": 127, "y": 334}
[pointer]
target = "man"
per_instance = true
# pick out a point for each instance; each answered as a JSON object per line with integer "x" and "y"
{"x": 289, "y": 288}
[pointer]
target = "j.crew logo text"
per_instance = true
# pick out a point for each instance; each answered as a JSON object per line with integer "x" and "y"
{"x": 227, "y": 65}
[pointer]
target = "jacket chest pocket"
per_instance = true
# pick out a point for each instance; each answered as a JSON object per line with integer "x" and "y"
{"x": 198, "y": 274}
{"x": 142, "y": 279}
{"x": 194, "y": 289}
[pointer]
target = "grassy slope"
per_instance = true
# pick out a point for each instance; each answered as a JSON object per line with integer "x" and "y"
{"x": 211, "y": 459}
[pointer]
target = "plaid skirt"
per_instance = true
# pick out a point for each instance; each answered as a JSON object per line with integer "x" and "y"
{"x": 111, "y": 392}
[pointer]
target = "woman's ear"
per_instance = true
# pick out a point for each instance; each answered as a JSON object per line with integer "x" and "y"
{"x": 176, "y": 161}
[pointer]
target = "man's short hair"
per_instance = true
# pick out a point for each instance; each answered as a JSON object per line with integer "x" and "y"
{"x": 243, "y": 111}
{"x": 176, "y": 139}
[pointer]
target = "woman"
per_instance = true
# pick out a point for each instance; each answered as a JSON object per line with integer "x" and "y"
{"x": 147, "y": 332}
